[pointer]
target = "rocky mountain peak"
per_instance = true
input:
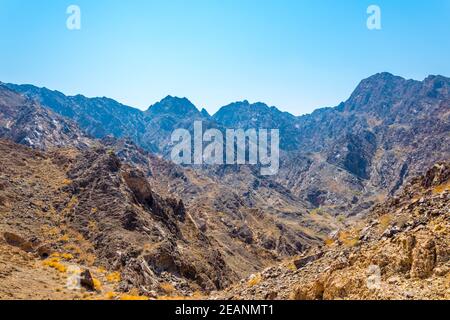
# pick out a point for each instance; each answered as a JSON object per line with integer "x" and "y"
{"x": 244, "y": 114}
{"x": 437, "y": 86}
{"x": 205, "y": 113}
{"x": 173, "y": 105}
{"x": 26, "y": 122}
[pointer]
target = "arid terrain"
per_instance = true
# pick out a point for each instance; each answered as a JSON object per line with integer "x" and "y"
{"x": 359, "y": 209}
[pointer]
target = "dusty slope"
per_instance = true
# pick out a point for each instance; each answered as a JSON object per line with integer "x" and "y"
{"x": 102, "y": 215}
{"x": 342, "y": 159}
{"x": 33, "y": 234}
{"x": 403, "y": 252}
{"x": 252, "y": 223}
{"x": 246, "y": 220}
{"x": 93, "y": 211}
{"x": 105, "y": 214}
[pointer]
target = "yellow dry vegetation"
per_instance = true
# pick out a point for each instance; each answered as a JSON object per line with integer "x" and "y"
{"x": 79, "y": 247}
{"x": 50, "y": 231}
{"x": 102, "y": 270}
{"x": 133, "y": 295}
{"x": 254, "y": 280}
{"x": 348, "y": 239}
{"x": 64, "y": 238}
{"x": 97, "y": 284}
{"x": 113, "y": 277}
{"x": 110, "y": 295}
{"x": 67, "y": 256}
{"x": 441, "y": 188}
{"x": 329, "y": 242}
{"x": 127, "y": 297}
{"x": 167, "y": 288}
{"x": 54, "y": 262}
{"x": 291, "y": 266}
{"x": 385, "y": 221}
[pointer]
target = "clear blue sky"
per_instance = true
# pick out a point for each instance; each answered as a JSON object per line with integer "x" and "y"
{"x": 295, "y": 54}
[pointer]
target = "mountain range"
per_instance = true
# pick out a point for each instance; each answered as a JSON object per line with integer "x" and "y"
{"x": 390, "y": 128}
{"x": 117, "y": 195}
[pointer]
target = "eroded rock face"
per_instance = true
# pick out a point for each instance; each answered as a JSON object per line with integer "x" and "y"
{"x": 17, "y": 241}
{"x": 27, "y": 122}
{"x": 411, "y": 263}
{"x": 389, "y": 130}
{"x": 439, "y": 174}
{"x": 138, "y": 231}
{"x": 139, "y": 185}
{"x": 313, "y": 291}
{"x": 342, "y": 158}
{"x": 423, "y": 259}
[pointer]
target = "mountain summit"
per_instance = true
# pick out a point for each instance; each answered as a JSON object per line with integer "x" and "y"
{"x": 173, "y": 105}
{"x": 389, "y": 129}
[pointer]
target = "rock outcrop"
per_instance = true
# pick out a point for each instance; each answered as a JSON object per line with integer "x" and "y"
{"x": 366, "y": 262}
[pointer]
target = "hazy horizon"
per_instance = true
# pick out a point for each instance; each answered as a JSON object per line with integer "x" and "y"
{"x": 200, "y": 108}
{"x": 296, "y": 55}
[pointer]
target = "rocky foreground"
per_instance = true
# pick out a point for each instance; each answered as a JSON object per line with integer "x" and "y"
{"x": 403, "y": 252}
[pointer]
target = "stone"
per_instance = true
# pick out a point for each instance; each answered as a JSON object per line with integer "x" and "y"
{"x": 423, "y": 259}
{"x": 441, "y": 271}
{"x": 17, "y": 241}
{"x": 271, "y": 295}
{"x": 86, "y": 280}
{"x": 44, "y": 251}
{"x": 302, "y": 262}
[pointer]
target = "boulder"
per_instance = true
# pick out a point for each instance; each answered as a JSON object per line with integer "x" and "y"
{"x": 17, "y": 241}
{"x": 87, "y": 281}
{"x": 302, "y": 262}
{"x": 423, "y": 259}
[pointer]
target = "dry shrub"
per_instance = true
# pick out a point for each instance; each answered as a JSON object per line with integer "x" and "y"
{"x": 441, "y": 188}
{"x": 167, "y": 288}
{"x": 54, "y": 262}
{"x": 385, "y": 221}
{"x": 113, "y": 277}
{"x": 254, "y": 280}
{"x": 348, "y": 239}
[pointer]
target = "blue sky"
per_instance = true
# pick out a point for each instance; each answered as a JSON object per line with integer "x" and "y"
{"x": 295, "y": 54}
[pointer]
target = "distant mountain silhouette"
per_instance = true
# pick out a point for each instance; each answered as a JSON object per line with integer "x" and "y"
{"x": 387, "y": 130}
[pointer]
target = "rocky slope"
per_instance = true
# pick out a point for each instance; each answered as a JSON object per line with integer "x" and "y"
{"x": 342, "y": 159}
{"x": 155, "y": 228}
{"x": 401, "y": 252}
{"x": 101, "y": 213}
{"x": 124, "y": 204}
{"x": 251, "y": 222}
{"x": 26, "y": 122}
{"x": 390, "y": 129}
{"x": 245, "y": 115}
{"x": 97, "y": 117}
